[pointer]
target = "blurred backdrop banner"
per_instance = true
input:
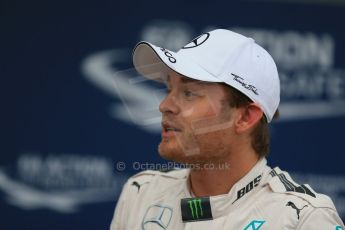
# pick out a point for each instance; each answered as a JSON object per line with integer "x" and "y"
{"x": 77, "y": 120}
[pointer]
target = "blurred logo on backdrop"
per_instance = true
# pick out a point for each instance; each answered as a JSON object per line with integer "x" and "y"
{"x": 60, "y": 182}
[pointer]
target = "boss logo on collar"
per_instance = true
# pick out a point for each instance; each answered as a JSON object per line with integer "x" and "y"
{"x": 249, "y": 187}
{"x": 169, "y": 55}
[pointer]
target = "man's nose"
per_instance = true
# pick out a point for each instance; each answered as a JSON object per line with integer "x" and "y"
{"x": 169, "y": 104}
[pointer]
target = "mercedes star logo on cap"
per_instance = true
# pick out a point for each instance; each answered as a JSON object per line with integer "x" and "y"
{"x": 197, "y": 41}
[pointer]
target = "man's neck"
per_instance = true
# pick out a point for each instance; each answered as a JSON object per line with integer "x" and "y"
{"x": 212, "y": 182}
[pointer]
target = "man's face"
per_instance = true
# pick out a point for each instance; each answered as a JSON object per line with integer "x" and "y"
{"x": 196, "y": 121}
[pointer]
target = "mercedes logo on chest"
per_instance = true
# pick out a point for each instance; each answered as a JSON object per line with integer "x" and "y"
{"x": 197, "y": 41}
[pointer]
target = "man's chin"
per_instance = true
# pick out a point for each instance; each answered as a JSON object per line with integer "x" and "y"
{"x": 177, "y": 154}
{"x": 168, "y": 152}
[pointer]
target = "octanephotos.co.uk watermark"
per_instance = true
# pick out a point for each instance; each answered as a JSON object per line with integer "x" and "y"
{"x": 141, "y": 166}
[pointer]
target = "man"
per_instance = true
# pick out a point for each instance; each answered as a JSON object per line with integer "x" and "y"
{"x": 223, "y": 90}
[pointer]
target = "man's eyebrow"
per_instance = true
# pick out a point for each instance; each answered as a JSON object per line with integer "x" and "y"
{"x": 188, "y": 80}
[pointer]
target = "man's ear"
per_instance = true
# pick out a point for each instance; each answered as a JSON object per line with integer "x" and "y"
{"x": 248, "y": 117}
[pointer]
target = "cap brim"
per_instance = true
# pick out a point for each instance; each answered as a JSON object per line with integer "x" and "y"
{"x": 148, "y": 60}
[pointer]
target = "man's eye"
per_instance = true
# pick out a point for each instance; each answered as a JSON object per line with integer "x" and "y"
{"x": 188, "y": 93}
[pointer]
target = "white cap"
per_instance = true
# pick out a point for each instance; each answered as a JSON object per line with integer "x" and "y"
{"x": 221, "y": 56}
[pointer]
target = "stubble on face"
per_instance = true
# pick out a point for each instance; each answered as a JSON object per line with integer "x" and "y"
{"x": 203, "y": 140}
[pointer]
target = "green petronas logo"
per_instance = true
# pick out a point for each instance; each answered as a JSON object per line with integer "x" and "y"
{"x": 195, "y": 208}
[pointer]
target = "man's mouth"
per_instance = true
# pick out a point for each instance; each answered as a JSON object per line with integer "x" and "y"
{"x": 169, "y": 129}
